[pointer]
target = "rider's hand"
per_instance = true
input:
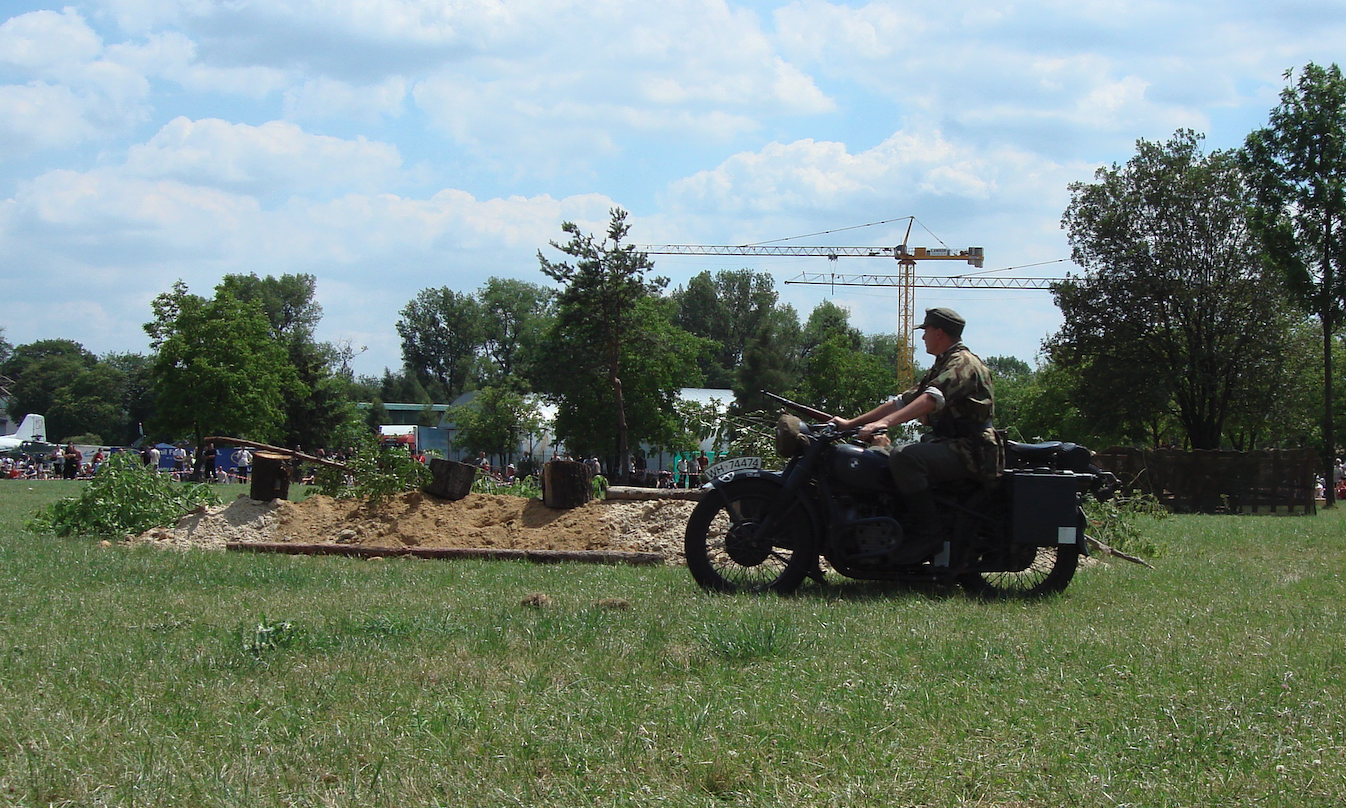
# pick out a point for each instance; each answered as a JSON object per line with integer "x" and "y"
{"x": 840, "y": 423}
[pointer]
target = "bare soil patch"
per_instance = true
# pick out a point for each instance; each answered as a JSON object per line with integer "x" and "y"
{"x": 419, "y": 520}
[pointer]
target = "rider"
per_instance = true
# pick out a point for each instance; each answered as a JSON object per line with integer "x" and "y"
{"x": 955, "y": 399}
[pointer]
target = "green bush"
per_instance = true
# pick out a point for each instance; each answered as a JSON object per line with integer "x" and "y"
{"x": 526, "y": 487}
{"x": 1116, "y": 522}
{"x": 376, "y": 473}
{"x": 123, "y": 499}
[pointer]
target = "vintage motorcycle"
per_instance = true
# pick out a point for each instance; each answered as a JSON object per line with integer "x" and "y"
{"x": 765, "y": 530}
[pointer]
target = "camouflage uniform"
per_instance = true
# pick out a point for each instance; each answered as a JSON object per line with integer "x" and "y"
{"x": 962, "y": 442}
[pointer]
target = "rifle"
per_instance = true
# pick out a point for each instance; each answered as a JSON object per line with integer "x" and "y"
{"x": 803, "y": 409}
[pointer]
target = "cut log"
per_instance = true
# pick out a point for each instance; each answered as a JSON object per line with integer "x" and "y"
{"x": 632, "y": 492}
{"x": 566, "y": 484}
{"x": 539, "y": 556}
{"x": 452, "y": 480}
{"x": 270, "y": 477}
{"x": 266, "y": 447}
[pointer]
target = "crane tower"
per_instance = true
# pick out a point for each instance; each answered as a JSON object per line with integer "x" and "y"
{"x": 905, "y": 280}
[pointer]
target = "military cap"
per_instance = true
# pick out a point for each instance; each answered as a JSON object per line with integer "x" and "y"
{"x": 946, "y": 320}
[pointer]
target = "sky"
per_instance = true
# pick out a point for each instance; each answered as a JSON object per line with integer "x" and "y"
{"x": 390, "y": 146}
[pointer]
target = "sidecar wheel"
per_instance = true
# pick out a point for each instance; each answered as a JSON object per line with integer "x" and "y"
{"x": 1050, "y": 572}
{"x": 726, "y": 552}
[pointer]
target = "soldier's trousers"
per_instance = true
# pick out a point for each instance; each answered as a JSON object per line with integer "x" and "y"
{"x": 916, "y": 466}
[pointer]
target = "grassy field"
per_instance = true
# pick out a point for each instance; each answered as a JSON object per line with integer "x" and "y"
{"x": 141, "y": 677}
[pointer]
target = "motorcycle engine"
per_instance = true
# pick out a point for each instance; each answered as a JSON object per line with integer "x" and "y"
{"x": 865, "y": 529}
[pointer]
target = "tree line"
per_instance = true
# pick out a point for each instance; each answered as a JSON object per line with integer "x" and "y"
{"x": 1208, "y": 314}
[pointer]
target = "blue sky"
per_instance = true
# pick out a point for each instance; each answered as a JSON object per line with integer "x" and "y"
{"x": 386, "y": 146}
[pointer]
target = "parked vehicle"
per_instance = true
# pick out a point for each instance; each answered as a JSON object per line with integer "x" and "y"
{"x": 766, "y": 530}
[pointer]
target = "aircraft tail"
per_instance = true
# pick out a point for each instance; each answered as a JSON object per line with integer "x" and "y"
{"x": 33, "y": 427}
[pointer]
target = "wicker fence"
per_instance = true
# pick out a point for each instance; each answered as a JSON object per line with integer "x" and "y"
{"x": 1268, "y": 481}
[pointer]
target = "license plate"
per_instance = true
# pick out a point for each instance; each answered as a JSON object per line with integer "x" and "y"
{"x": 735, "y": 464}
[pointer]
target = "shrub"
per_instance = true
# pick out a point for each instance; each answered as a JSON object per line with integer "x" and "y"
{"x": 1115, "y": 522}
{"x": 376, "y": 473}
{"x": 123, "y": 499}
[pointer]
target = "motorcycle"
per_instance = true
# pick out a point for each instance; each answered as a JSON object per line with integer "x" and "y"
{"x": 759, "y": 530}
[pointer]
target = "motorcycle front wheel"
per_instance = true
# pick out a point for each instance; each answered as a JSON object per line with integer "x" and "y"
{"x": 1049, "y": 572}
{"x": 727, "y": 550}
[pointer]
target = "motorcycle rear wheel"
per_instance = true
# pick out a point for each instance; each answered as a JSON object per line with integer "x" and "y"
{"x": 1048, "y": 573}
{"x": 726, "y": 551}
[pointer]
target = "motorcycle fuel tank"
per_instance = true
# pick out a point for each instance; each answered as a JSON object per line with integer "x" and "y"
{"x": 859, "y": 468}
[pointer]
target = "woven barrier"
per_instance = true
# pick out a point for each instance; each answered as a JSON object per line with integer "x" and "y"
{"x": 1266, "y": 481}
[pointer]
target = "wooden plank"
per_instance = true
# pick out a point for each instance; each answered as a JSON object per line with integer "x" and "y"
{"x": 493, "y": 553}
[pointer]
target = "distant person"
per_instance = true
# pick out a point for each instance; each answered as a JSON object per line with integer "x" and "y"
{"x": 208, "y": 462}
{"x": 179, "y": 461}
{"x": 243, "y": 464}
{"x": 154, "y": 458}
{"x": 72, "y": 458}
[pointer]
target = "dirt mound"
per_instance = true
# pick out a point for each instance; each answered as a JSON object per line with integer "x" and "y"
{"x": 419, "y": 520}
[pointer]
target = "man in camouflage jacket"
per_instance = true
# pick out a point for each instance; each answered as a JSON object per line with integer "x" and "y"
{"x": 955, "y": 398}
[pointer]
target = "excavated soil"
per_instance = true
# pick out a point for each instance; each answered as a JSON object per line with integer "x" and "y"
{"x": 419, "y": 520}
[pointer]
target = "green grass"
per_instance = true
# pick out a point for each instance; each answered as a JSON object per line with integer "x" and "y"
{"x": 133, "y": 676}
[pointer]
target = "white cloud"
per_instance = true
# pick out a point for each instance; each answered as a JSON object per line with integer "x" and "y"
{"x": 72, "y": 93}
{"x": 808, "y": 174}
{"x": 50, "y": 45}
{"x": 274, "y": 158}
{"x": 111, "y": 238}
{"x": 326, "y": 99}
{"x": 143, "y": 140}
{"x": 40, "y": 115}
{"x": 174, "y": 57}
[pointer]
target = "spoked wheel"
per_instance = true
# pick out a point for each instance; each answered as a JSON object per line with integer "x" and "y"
{"x": 728, "y": 551}
{"x": 1049, "y": 570}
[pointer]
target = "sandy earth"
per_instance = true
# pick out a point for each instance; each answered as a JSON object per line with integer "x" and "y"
{"x": 419, "y": 520}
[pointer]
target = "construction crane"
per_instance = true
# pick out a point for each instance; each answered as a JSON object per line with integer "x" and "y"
{"x": 906, "y": 280}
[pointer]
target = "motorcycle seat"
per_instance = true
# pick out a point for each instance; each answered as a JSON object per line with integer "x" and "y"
{"x": 1075, "y": 456}
{"x": 1035, "y": 451}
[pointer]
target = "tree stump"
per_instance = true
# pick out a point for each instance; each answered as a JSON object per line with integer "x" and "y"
{"x": 566, "y": 484}
{"x": 270, "y": 476}
{"x": 452, "y": 480}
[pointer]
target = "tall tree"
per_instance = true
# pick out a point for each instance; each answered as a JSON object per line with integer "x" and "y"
{"x": 515, "y": 315}
{"x": 217, "y": 367}
{"x": 828, "y": 320}
{"x": 728, "y": 308}
{"x": 770, "y": 361}
{"x": 77, "y": 393}
{"x": 840, "y": 380}
{"x": 1298, "y": 166}
{"x": 1175, "y": 305}
{"x": 441, "y": 334}
{"x": 315, "y": 407}
{"x": 599, "y": 305}
{"x": 138, "y": 396}
{"x": 494, "y": 421}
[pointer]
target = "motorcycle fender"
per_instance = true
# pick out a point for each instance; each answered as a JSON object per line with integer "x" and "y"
{"x": 711, "y": 488}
